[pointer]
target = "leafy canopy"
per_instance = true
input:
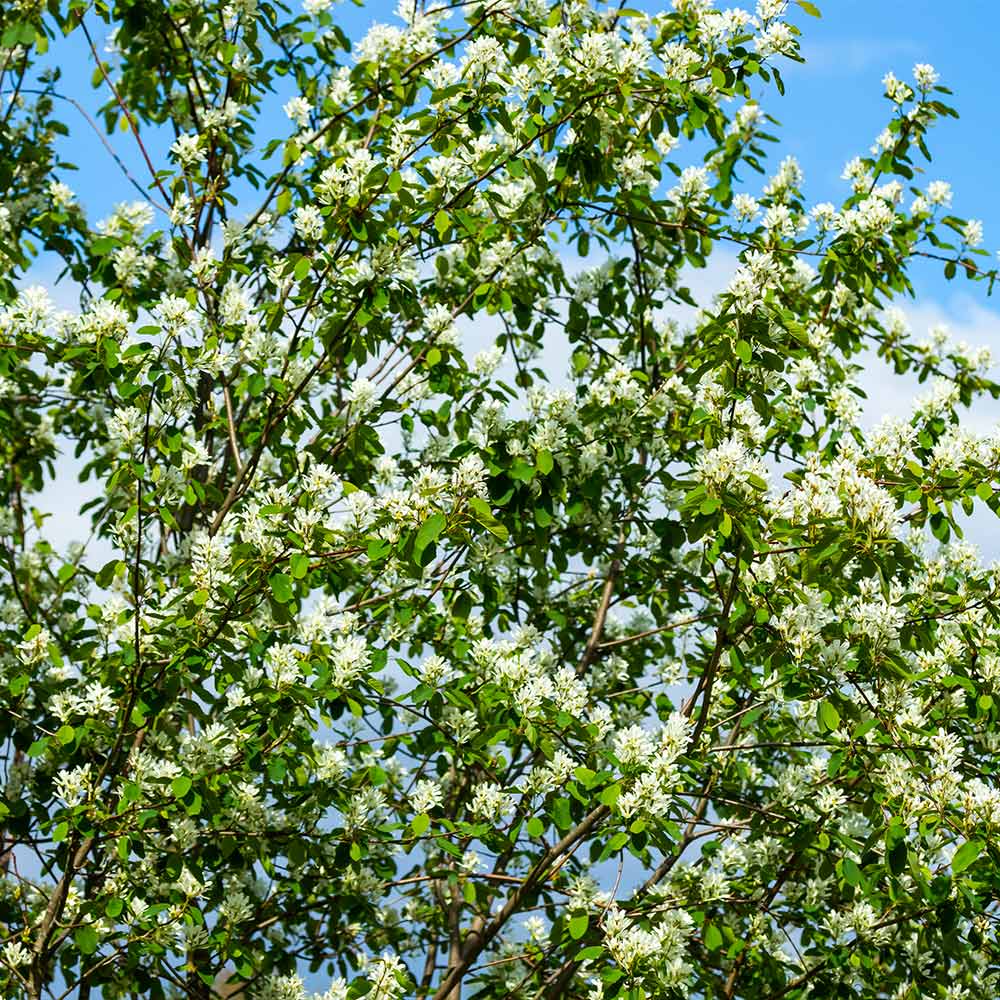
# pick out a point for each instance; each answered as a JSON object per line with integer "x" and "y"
{"x": 457, "y": 611}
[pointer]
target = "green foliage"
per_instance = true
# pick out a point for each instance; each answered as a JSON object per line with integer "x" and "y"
{"x": 390, "y": 652}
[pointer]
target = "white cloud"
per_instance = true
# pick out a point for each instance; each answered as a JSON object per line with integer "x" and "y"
{"x": 966, "y": 320}
{"x": 888, "y": 393}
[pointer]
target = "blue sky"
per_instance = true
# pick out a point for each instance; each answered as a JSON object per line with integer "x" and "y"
{"x": 832, "y": 109}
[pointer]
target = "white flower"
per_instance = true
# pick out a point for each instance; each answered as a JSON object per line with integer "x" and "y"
{"x": 746, "y": 207}
{"x": 61, "y": 194}
{"x": 633, "y": 171}
{"x": 435, "y": 671}
{"x": 490, "y": 802}
{"x": 939, "y": 193}
{"x": 426, "y": 795}
{"x": 36, "y": 648}
{"x": 883, "y": 142}
{"x": 308, "y": 223}
{"x": 182, "y": 210}
{"x": 691, "y": 187}
{"x": 279, "y": 987}
{"x": 972, "y": 234}
{"x": 486, "y": 362}
{"x": 384, "y": 975}
{"x": 925, "y": 75}
{"x": 283, "y": 665}
{"x": 338, "y": 987}
{"x": 895, "y": 89}
{"x": 363, "y": 397}
{"x": 204, "y": 263}
{"x": 16, "y": 954}
{"x": 469, "y": 478}
{"x": 768, "y": 10}
{"x": 779, "y": 221}
{"x": 331, "y": 762}
{"x": 187, "y": 150}
{"x": 633, "y": 745}
{"x": 73, "y": 785}
{"x": 729, "y": 466}
{"x": 537, "y": 931}
{"x": 665, "y": 143}
{"x": 483, "y": 55}
{"x": 349, "y": 659}
{"x": 854, "y": 169}
{"x": 824, "y": 215}
{"x": 236, "y": 907}
{"x": 775, "y": 39}
{"x": 298, "y": 110}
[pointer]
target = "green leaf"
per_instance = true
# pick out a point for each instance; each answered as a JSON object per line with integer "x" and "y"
{"x": 560, "y": 814}
{"x": 281, "y": 587}
{"x": 609, "y": 795}
{"x": 744, "y": 351}
{"x": 180, "y": 786}
{"x": 419, "y": 824}
{"x": 395, "y": 181}
{"x": 543, "y": 462}
{"x": 442, "y": 223}
{"x": 965, "y": 855}
{"x": 810, "y": 8}
{"x": 578, "y": 926}
{"x": 86, "y": 940}
{"x": 429, "y": 532}
{"x": 617, "y": 842}
{"x": 712, "y": 937}
{"x": 896, "y": 857}
{"x": 829, "y": 717}
{"x": 984, "y": 491}
{"x": 299, "y": 564}
{"x": 535, "y": 827}
{"x": 484, "y": 515}
{"x": 850, "y": 871}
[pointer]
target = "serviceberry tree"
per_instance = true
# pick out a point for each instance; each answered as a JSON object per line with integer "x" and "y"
{"x": 464, "y": 607}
